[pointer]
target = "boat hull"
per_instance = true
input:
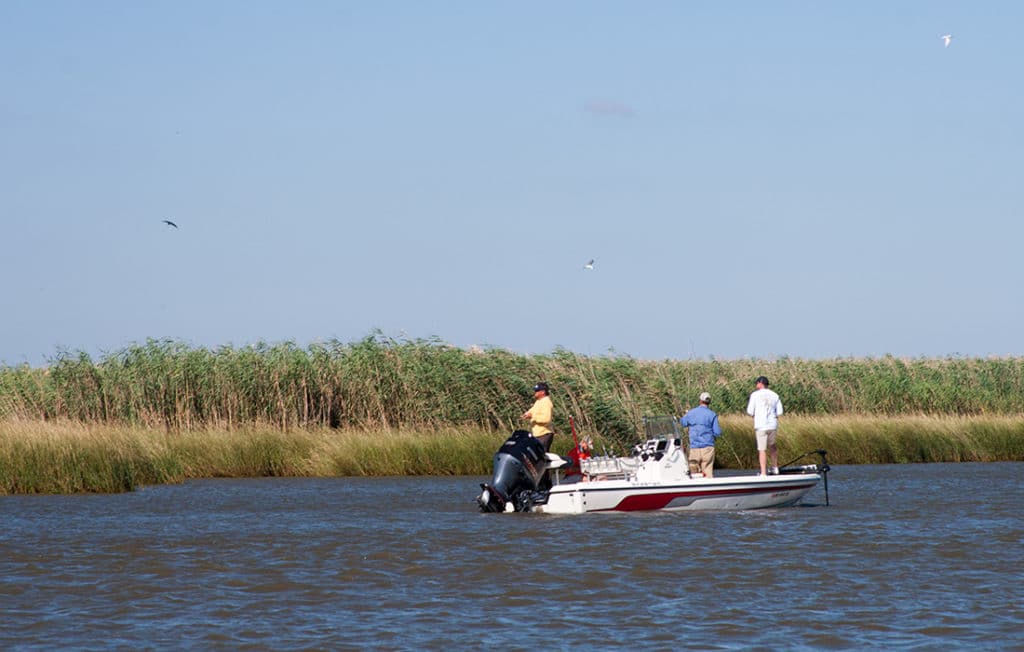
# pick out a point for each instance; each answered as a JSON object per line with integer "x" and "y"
{"x": 724, "y": 493}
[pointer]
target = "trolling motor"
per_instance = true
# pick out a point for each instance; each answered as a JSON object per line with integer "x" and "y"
{"x": 520, "y": 468}
{"x": 823, "y": 468}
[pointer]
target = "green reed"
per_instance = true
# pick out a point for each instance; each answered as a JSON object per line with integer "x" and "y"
{"x": 380, "y": 383}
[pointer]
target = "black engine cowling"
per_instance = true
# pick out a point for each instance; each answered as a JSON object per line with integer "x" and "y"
{"x": 519, "y": 470}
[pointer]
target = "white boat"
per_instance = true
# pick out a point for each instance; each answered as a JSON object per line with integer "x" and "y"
{"x": 655, "y": 476}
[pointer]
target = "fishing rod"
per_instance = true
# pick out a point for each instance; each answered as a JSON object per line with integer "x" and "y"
{"x": 824, "y": 468}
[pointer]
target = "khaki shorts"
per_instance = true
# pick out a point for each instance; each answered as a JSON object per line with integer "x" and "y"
{"x": 765, "y": 439}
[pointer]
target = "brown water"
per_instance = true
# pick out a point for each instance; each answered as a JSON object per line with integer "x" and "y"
{"x": 910, "y": 556}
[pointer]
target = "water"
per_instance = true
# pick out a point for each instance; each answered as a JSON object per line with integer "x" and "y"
{"x": 907, "y": 556}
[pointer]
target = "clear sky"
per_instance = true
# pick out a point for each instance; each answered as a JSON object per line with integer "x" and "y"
{"x": 805, "y": 179}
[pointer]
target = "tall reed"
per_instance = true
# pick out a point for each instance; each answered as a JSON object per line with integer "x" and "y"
{"x": 385, "y": 384}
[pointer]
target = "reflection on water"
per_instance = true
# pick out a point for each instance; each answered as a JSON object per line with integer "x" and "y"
{"x": 922, "y": 556}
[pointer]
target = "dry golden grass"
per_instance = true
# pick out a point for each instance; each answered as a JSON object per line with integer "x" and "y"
{"x": 67, "y": 457}
{"x": 70, "y": 457}
{"x": 880, "y": 439}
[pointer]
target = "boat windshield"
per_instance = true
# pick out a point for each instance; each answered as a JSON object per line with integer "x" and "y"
{"x": 661, "y": 427}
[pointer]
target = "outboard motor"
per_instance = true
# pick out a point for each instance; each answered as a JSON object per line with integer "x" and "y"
{"x": 520, "y": 466}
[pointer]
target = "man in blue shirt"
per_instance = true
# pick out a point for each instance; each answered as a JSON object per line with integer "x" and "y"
{"x": 703, "y": 424}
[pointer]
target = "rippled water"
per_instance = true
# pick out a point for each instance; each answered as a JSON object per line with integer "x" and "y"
{"x": 908, "y": 556}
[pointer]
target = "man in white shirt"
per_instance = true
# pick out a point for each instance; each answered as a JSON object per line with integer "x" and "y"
{"x": 766, "y": 408}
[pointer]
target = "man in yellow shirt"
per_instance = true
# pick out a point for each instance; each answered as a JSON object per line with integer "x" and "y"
{"x": 540, "y": 415}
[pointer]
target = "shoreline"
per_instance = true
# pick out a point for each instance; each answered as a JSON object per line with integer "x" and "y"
{"x": 45, "y": 457}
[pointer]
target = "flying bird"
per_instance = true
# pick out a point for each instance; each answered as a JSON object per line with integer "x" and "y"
{"x": 946, "y": 39}
{"x": 170, "y": 223}
{"x": 589, "y": 265}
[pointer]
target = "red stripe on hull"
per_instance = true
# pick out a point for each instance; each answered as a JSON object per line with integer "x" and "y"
{"x": 646, "y": 502}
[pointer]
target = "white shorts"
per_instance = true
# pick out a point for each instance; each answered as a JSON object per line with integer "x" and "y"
{"x": 765, "y": 439}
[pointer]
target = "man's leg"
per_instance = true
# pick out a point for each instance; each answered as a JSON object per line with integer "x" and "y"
{"x": 773, "y": 450}
{"x": 762, "y": 446}
{"x": 694, "y": 460}
{"x": 708, "y": 462}
{"x": 545, "y": 440}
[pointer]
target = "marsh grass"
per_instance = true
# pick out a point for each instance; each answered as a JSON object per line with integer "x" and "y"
{"x": 66, "y": 457}
{"x": 43, "y": 457}
{"x": 383, "y": 384}
{"x": 165, "y": 411}
{"x": 869, "y": 439}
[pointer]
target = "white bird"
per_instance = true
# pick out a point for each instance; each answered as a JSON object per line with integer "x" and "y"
{"x": 589, "y": 265}
{"x": 946, "y": 39}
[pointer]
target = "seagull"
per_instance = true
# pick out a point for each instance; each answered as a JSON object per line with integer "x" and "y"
{"x": 589, "y": 265}
{"x": 946, "y": 39}
{"x": 170, "y": 223}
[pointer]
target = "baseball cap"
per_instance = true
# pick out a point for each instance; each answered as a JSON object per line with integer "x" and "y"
{"x": 762, "y": 380}
{"x": 705, "y": 397}
{"x": 540, "y": 387}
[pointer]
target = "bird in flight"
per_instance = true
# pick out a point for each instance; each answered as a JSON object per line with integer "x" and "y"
{"x": 170, "y": 223}
{"x": 589, "y": 265}
{"x": 946, "y": 39}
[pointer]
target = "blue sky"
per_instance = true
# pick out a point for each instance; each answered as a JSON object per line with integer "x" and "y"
{"x": 804, "y": 179}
